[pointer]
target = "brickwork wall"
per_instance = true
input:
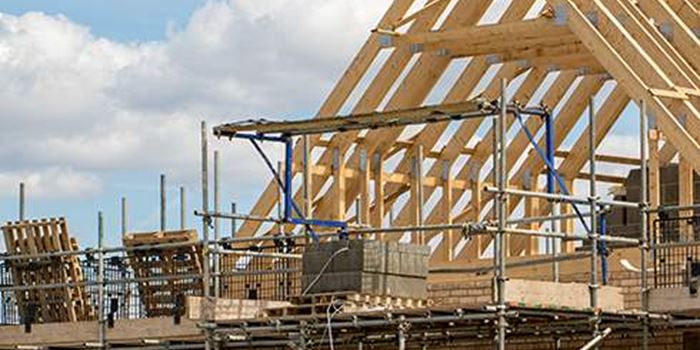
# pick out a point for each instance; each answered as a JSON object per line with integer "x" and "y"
{"x": 478, "y": 291}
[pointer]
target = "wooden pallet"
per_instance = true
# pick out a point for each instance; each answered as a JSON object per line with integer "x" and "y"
{"x": 319, "y": 304}
{"x": 64, "y": 304}
{"x": 158, "y": 297}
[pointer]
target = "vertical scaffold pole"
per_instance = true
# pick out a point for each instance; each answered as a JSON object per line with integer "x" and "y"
{"x": 551, "y": 188}
{"x": 21, "y": 202}
{"x": 234, "y": 222}
{"x": 163, "y": 204}
{"x": 124, "y": 217}
{"x": 495, "y": 207}
{"x": 280, "y": 200}
{"x": 183, "y": 208}
{"x": 206, "y": 291}
{"x": 288, "y": 168}
{"x": 205, "y": 209}
{"x": 307, "y": 180}
{"x": 501, "y": 215}
{"x": 217, "y": 226}
{"x": 419, "y": 191}
{"x": 593, "y": 287}
{"x": 102, "y": 335}
{"x": 644, "y": 245}
{"x": 401, "y": 338}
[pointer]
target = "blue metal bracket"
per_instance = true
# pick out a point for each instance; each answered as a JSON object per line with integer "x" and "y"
{"x": 285, "y": 183}
{"x": 603, "y": 247}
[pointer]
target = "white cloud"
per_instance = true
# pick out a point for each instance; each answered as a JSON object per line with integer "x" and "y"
{"x": 52, "y": 183}
{"x": 77, "y": 107}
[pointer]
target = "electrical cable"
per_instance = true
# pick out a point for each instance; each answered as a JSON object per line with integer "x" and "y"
{"x": 550, "y": 168}
{"x": 323, "y": 269}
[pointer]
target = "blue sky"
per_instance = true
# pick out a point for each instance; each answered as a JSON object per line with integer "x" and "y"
{"x": 123, "y": 20}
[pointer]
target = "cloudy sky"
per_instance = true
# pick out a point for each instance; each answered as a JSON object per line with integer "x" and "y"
{"x": 99, "y": 97}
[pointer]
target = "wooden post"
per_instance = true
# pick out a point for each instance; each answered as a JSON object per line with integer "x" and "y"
{"x": 654, "y": 174}
{"x": 339, "y": 185}
{"x": 685, "y": 195}
{"x": 365, "y": 179}
{"x": 532, "y": 208}
{"x": 567, "y": 225}
{"x": 447, "y": 209}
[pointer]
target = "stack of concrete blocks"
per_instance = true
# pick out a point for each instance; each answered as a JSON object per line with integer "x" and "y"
{"x": 368, "y": 267}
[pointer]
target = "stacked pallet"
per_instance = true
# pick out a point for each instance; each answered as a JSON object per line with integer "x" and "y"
{"x": 165, "y": 275}
{"x": 66, "y": 303}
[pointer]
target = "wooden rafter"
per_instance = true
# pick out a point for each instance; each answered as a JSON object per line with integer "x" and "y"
{"x": 648, "y": 48}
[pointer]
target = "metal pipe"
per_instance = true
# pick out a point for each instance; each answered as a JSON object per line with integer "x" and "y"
{"x": 551, "y": 189}
{"x": 307, "y": 178}
{"x": 183, "y": 208}
{"x": 593, "y": 286}
{"x": 419, "y": 191}
{"x": 124, "y": 217}
{"x": 144, "y": 279}
{"x": 288, "y": 176}
{"x": 234, "y": 222}
{"x": 516, "y": 264}
{"x": 494, "y": 208}
{"x": 667, "y": 208}
{"x": 162, "y": 203}
{"x": 458, "y": 316}
{"x": 259, "y": 254}
{"x": 596, "y": 340}
{"x": 643, "y": 247}
{"x": 21, "y": 201}
{"x": 603, "y": 249}
{"x": 217, "y": 226}
{"x": 280, "y": 202}
{"x": 205, "y": 208}
{"x": 402, "y": 338}
{"x": 244, "y": 217}
{"x": 102, "y": 330}
{"x": 502, "y": 212}
{"x": 563, "y": 198}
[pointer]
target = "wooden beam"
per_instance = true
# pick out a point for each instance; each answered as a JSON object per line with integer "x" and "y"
{"x": 629, "y": 78}
{"x": 488, "y": 39}
{"x": 415, "y": 86}
{"x": 420, "y": 80}
{"x": 335, "y": 100}
{"x": 678, "y": 33}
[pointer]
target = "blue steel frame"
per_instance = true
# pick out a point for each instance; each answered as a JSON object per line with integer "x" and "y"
{"x": 285, "y": 183}
{"x": 603, "y": 247}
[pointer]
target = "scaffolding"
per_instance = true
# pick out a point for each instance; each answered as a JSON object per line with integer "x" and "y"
{"x": 651, "y": 55}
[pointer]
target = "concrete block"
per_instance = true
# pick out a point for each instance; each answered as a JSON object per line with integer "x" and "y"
{"x": 368, "y": 267}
